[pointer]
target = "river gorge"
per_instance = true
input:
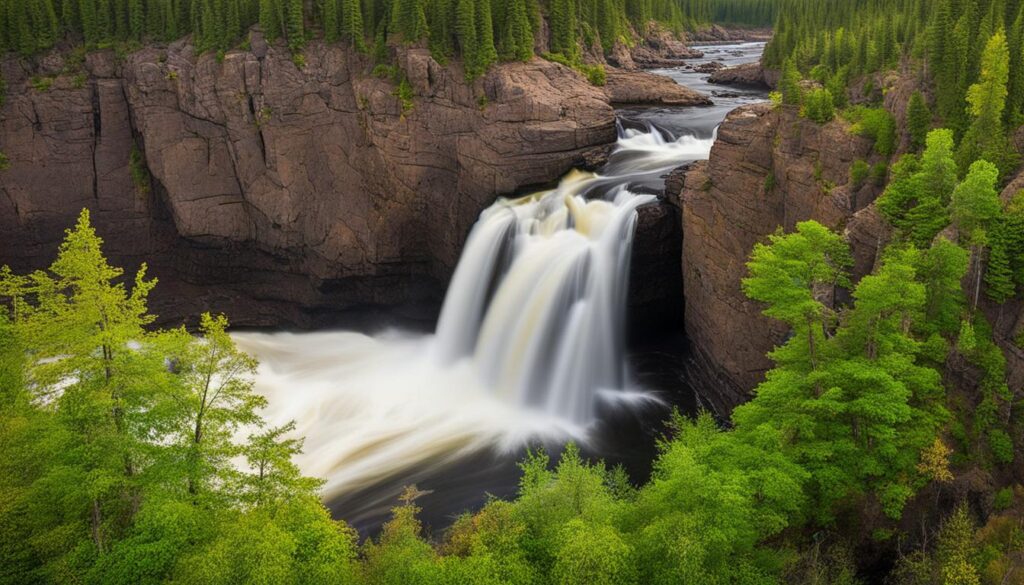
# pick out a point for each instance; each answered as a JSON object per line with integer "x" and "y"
{"x": 530, "y": 347}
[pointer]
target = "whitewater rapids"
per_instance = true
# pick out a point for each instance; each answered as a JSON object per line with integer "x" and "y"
{"x": 530, "y": 338}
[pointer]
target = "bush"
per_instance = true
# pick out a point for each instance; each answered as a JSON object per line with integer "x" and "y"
{"x": 879, "y": 173}
{"x": 139, "y": 171}
{"x": 1001, "y": 444}
{"x": 819, "y": 107}
{"x": 859, "y": 172}
{"x": 877, "y": 124}
{"x": 405, "y": 94}
{"x": 595, "y": 74}
{"x": 1003, "y": 499}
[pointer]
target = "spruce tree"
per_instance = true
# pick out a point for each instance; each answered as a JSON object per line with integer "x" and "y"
{"x": 563, "y": 22}
{"x": 410, "y": 20}
{"x": 986, "y": 137}
{"x": 999, "y": 284}
{"x": 331, "y": 20}
{"x": 919, "y": 121}
{"x": 352, "y": 23}
{"x": 789, "y": 85}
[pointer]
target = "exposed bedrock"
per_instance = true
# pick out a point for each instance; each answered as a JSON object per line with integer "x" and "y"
{"x": 768, "y": 169}
{"x": 771, "y": 169}
{"x": 279, "y": 193}
{"x": 745, "y": 75}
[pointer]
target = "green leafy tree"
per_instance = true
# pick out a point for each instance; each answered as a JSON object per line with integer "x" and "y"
{"x": 213, "y": 399}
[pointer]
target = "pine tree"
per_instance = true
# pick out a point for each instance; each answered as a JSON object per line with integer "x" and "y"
{"x": 294, "y": 19}
{"x": 563, "y": 22}
{"x": 352, "y": 23}
{"x": 1015, "y": 85}
{"x": 919, "y": 121}
{"x": 516, "y": 40}
{"x": 331, "y": 20}
{"x": 465, "y": 26}
{"x": 999, "y": 285}
{"x": 975, "y": 203}
{"x": 986, "y": 137}
{"x": 269, "y": 20}
{"x": 410, "y": 20}
{"x": 485, "y": 54}
{"x": 792, "y": 92}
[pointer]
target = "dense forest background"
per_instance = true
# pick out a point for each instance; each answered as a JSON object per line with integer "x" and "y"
{"x": 481, "y": 31}
{"x": 127, "y": 453}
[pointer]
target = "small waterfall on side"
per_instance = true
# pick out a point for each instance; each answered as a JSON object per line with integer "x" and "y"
{"x": 538, "y": 299}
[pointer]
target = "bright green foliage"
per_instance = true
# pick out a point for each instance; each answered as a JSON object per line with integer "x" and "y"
{"x": 877, "y": 124}
{"x": 960, "y": 43}
{"x": 852, "y": 403}
{"x": 789, "y": 85}
{"x": 819, "y": 107}
{"x": 940, "y": 269}
{"x": 919, "y": 121}
{"x": 789, "y": 271}
{"x": 919, "y": 193}
{"x": 975, "y": 203}
{"x": 986, "y": 138}
{"x": 118, "y": 443}
{"x": 860, "y": 170}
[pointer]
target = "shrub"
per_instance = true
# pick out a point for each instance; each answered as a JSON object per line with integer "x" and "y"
{"x": 879, "y": 173}
{"x": 42, "y": 83}
{"x": 1001, "y": 444}
{"x": 877, "y": 124}
{"x": 405, "y": 94}
{"x": 595, "y": 74}
{"x": 1003, "y": 499}
{"x": 859, "y": 172}
{"x": 819, "y": 107}
{"x": 139, "y": 171}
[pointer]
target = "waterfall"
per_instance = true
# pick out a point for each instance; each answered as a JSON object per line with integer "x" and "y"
{"x": 530, "y": 337}
{"x": 537, "y": 302}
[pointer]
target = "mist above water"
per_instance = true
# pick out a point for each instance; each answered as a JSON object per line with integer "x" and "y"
{"x": 529, "y": 346}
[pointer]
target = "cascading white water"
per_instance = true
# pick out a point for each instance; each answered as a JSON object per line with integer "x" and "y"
{"x": 530, "y": 334}
{"x": 537, "y": 300}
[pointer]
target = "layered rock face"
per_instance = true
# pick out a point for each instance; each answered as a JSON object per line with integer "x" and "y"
{"x": 278, "y": 193}
{"x": 769, "y": 169}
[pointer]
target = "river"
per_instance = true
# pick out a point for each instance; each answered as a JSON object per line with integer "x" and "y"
{"x": 529, "y": 350}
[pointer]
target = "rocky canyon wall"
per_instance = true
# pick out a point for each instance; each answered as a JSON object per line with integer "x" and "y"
{"x": 769, "y": 169}
{"x": 276, "y": 192}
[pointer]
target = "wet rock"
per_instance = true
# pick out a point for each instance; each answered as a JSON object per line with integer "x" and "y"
{"x": 638, "y": 88}
{"x": 709, "y": 67}
{"x": 746, "y": 75}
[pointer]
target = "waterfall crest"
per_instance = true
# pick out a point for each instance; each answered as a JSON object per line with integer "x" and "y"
{"x": 537, "y": 302}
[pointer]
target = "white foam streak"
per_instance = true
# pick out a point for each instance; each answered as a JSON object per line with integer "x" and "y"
{"x": 530, "y": 337}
